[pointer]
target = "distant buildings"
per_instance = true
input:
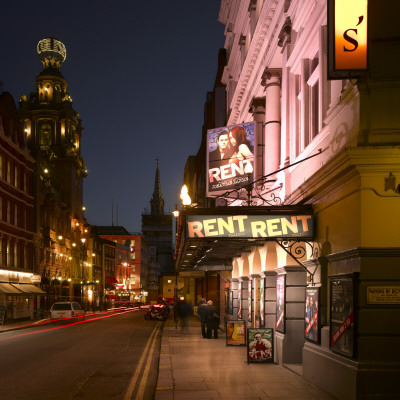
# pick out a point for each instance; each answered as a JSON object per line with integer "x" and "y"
{"x": 128, "y": 280}
{"x": 157, "y": 230}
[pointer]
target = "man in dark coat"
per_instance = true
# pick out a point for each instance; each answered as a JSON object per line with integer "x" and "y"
{"x": 212, "y": 320}
{"x": 223, "y": 153}
{"x": 202, "y": 311}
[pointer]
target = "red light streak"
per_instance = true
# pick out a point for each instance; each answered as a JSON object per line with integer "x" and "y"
{"x": 64, "y": 326}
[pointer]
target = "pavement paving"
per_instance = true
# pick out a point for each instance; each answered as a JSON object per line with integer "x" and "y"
{"x": 195, "y": 368}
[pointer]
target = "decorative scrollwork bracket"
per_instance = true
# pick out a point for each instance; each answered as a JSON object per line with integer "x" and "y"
{"x": 297, "y": 249}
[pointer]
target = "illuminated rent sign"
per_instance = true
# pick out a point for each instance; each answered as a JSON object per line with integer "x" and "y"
{"x": 348, "y": 38}
{"x": 249, "y": 226}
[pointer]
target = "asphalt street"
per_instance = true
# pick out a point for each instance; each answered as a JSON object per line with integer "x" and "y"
{"x": 107, "y": 356}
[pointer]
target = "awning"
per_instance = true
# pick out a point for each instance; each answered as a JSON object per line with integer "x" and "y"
{"x": 28, "y": 288}
{"x": 111, "y": 280}
{"x": 9, "y": 289}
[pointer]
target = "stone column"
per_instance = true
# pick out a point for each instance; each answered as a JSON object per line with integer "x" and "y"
{"x": 270, "y": 299}
{"x": 289, "y": 345}
{"x": 271, "y": 80}
{"x": 257, "y": 108}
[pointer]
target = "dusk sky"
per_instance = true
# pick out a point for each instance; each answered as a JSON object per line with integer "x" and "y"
{"x": 138, "y": 73}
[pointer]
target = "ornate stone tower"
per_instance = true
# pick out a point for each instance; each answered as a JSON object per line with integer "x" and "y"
{"x": 53, "y": 127}
{"x": 53, "y": 132}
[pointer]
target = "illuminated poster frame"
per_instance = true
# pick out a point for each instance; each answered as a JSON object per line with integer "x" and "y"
{"x": 261, "y": 350}
{"x": 235, "y": 333}
{"x": 347, "y": 38}
{"x": 343, "y": 315}
{"x": 312, "y": 326}
{"x": 239, "y": 150}
{"x": 250, "y": 298}
{"x": 281, "y": 303}
{"x": 262, "y": 302}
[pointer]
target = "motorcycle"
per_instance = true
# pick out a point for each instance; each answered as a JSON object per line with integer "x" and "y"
{"x": 158, "y": 312}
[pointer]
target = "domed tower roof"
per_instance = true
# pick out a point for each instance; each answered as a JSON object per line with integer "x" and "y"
{"x": 52, "y": 53}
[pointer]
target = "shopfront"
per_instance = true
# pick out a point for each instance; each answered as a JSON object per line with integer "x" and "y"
{"x": 19, "y": 296}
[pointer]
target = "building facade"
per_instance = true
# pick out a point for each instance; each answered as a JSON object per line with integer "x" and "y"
{"x": 53, "y": 133}
{"x": 19, "y": 297}
{"x": 325, "y": 151}
{"x": 131, "y": 267}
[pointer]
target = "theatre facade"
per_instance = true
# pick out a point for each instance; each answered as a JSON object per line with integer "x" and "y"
{"x": 307, "y": 240}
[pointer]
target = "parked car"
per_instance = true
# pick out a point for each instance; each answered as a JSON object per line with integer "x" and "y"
{"x": 66, "y": 309}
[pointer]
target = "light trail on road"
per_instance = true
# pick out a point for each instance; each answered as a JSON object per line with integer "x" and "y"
{"x": 67, "y": 325}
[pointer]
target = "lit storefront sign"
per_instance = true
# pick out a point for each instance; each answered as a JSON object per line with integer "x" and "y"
{"x": 249, "y": 226}
{"x": 348, "y": 38}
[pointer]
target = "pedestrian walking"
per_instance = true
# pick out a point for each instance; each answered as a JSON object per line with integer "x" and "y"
{"x": 202, "y": 312}
{"x": 184, "y": 312}
{"x": 212, "y": 320}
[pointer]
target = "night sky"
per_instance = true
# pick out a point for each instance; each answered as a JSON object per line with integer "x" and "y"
{"x": 138, "y": 73}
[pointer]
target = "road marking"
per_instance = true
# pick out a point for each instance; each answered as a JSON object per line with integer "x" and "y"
{"x": 132, "y": 384}
{"x": 143, "y": 382}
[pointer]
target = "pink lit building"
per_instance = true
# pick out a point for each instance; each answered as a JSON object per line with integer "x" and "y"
{"x": 309, "y": 244}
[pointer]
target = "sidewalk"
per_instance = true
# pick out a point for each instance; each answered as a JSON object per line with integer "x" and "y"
{"x": 195, "y": 368}
{"x": 22, "y": 324}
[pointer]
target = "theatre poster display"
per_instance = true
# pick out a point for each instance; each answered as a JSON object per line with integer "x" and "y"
{"x": 240, "y": 300}
{"x": 229, "y": 149}
{"x": 342, "y": 316}
{"x": 280, "y": 303}
{"x": 235, "y": 333}
{"x": 311, "y": 316}
{"x": 250, "y": 301}
{"x": 262, "y": 301}
{"x": 260, "y": 345}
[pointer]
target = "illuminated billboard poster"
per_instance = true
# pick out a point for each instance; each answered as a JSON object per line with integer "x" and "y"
{"x": 280, "y": 303}
{"x": 235, "y": 333}
{"x": 311, "y": 315}
{"x": 347, "y": 38}
{"x": 229, "y": 150}
{"x": 260, "y": 345}
{"x": 250, "y": 226}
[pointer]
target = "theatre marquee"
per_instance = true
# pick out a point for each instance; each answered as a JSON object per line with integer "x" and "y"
{"x": 250, "y": 226}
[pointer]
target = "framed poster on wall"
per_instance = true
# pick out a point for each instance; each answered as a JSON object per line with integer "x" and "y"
{"x": 311, "y": 315}
{"x": 280, "y": 303}
{"x": 260, "y": 344}
{"x": 240, "y": 300}
{"x": 343, "y": 314}
{"x": 262, "y": 302}
{"x": 235, "y": 333}
{"x": 250, "y": 301}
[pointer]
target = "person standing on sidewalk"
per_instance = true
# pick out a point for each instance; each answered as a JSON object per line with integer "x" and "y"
{"x": 202, "y": 312}
{"x": 184, "y": 312}
{"x": 212, "y": 320}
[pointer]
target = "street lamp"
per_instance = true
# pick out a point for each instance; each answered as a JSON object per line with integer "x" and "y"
{"x": 83, "y": 240}
{"x": 248, "y": 169}
{"x": 186, "y": 200}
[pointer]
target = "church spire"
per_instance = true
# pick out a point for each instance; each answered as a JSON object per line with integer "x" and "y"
{"x": 157, "y": 201}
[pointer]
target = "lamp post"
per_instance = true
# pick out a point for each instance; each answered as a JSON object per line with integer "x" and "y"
{"x": 175, "y": 213}
{"x": 248, "y": 169}
{"x": 83, "y": 240}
